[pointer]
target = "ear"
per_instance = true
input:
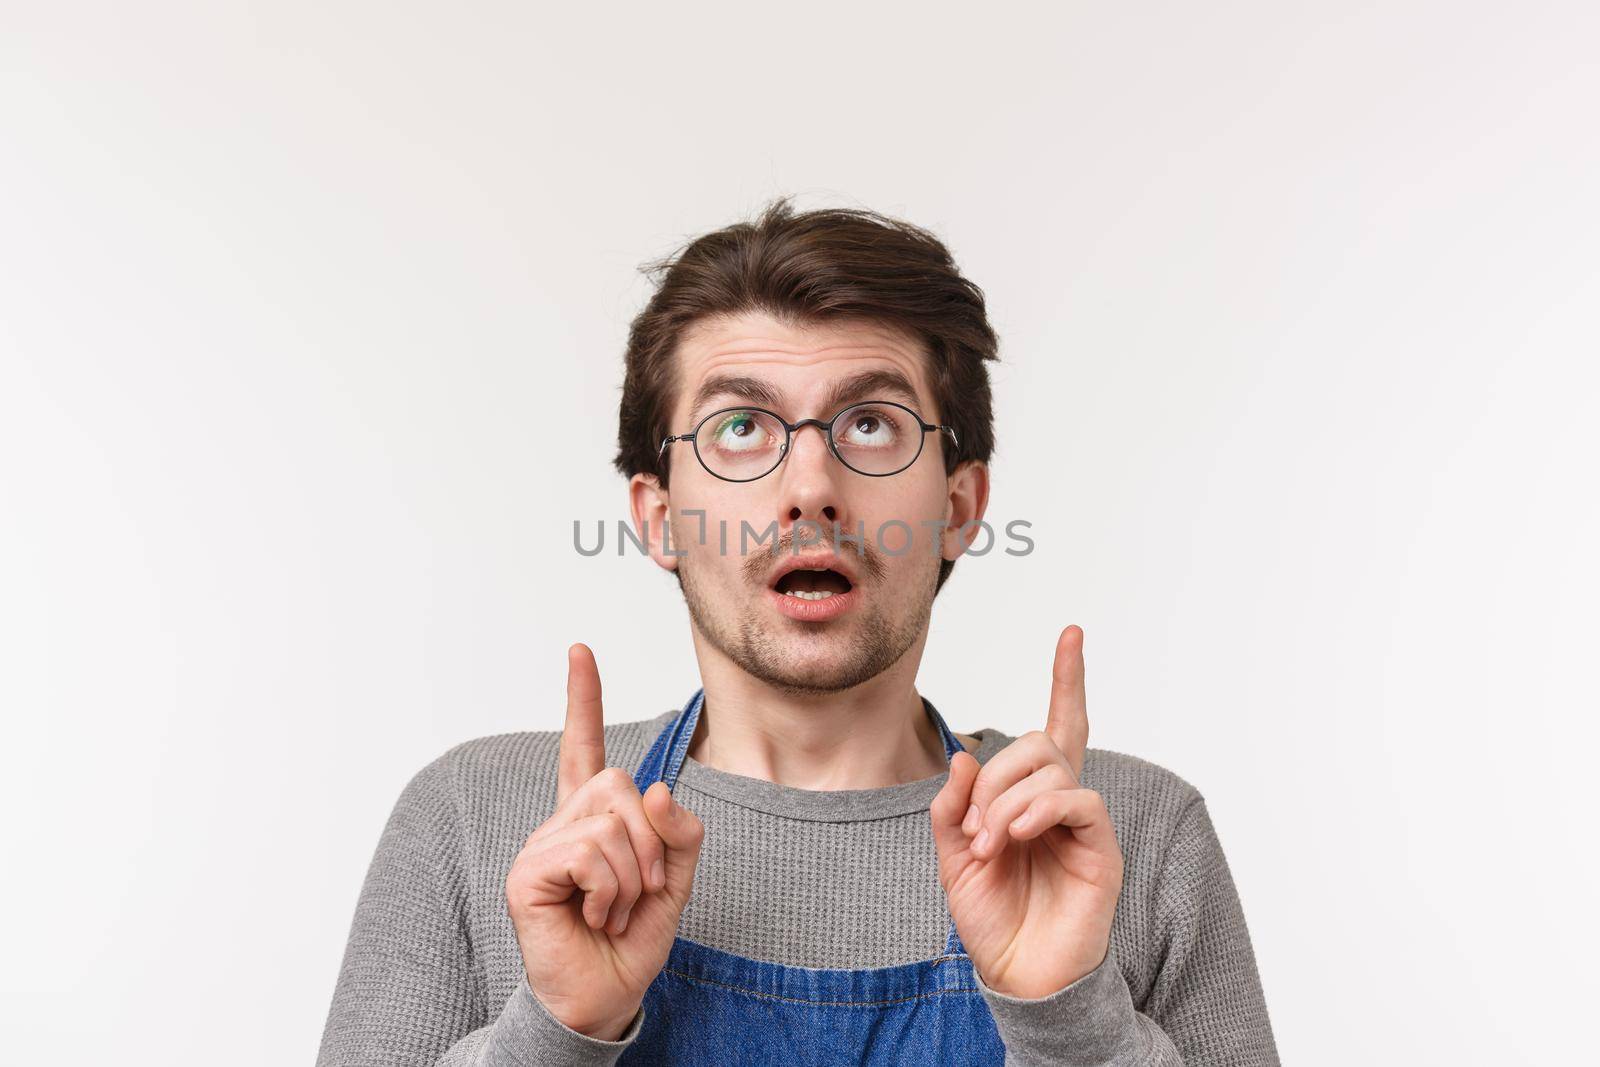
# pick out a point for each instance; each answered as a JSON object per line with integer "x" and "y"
{"x": 652, "y": 510}
{"x": 968, "y": 487}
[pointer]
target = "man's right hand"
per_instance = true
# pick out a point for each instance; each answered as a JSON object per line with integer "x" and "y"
{"x": 596, "y": 892}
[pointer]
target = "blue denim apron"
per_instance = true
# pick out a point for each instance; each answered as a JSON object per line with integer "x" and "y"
{"x": 714, "y": 1008}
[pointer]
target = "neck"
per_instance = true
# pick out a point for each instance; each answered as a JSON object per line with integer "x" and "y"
{"x": 874, "y": 735}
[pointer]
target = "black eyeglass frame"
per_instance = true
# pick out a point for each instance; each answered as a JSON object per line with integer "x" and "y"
{"x": 792, "y": 428}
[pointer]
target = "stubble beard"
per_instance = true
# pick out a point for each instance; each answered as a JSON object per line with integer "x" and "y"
{"x": 767, "y": 654}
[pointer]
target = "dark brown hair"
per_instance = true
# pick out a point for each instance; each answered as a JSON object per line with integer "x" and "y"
{"x": 825, "y": 265}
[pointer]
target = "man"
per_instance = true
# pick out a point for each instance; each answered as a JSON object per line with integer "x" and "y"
{"x": 802, "y": 865}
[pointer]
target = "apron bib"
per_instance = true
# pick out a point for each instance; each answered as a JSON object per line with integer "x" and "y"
{"x": 709, "y": 1007}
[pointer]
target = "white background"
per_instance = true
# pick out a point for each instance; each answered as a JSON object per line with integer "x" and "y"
{"x": 311, "y": 322}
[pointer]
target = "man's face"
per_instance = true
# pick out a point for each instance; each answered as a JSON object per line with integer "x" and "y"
{"x": 808, "y": 630}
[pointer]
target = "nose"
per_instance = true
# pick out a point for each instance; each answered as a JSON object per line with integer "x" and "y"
{"x": 809, "y": 482}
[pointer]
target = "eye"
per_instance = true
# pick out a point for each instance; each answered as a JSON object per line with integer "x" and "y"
{"x": 869, "y": 427}
{"x": 740, "y": 431}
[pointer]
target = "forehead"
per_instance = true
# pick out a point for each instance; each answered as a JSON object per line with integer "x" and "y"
{"x": 800, "y": 362}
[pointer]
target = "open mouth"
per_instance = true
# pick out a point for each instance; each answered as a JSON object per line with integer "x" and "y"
{"x": 812, "y": 584}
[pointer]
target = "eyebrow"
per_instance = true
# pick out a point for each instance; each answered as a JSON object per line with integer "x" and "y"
{"x": 868, "y": 385}
{"x": 846, "y": 391}
{"x": 741, "y": 386}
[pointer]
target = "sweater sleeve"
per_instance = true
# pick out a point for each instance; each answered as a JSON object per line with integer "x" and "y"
{"x": 1206, "y": 1007}
{"x": 410, "y": 992}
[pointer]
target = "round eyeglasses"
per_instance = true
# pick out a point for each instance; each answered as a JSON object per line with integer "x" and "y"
{"x": 876, "y": 438}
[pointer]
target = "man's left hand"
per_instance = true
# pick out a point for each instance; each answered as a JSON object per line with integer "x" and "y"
{"x": 1028, "y": 858}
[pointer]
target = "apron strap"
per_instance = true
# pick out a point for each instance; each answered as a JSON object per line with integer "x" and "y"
{"x": 665, "y": 758}
{"x": 951, "y": 745}
{"x": 952, "y": 941}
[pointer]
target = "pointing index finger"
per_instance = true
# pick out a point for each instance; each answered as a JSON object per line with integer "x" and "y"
{"x": 583, "y": 740}
{"x": 1068, "y": 722}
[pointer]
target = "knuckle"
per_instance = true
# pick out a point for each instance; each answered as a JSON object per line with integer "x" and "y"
{"x": 543, "y": 830}
{"x": 1007, "y": 808}
{"x": 649, "y": 847}
{"x": 987, "y": 789}
{"x": 627, "y": 868}
{"x": 526, "y": 867}
{"x": 638, "y": 823}
{"x": 693, "y": 828}
{"x": 614, "y": 779}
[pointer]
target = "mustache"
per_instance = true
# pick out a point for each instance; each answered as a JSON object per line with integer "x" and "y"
{"x": 758, "y": 565}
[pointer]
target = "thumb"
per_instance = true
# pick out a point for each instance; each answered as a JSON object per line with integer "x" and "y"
{"x": 949, "y": 807}
{"x": 681, "y": 831}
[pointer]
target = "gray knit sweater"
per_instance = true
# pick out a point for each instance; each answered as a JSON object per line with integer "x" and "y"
{"x": 432, "y": 973}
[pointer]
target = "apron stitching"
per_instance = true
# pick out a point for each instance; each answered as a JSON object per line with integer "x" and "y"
{"x": 817, "y": 1003}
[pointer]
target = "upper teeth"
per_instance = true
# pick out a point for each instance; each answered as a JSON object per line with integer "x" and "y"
{"x": 813, "y": 594}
